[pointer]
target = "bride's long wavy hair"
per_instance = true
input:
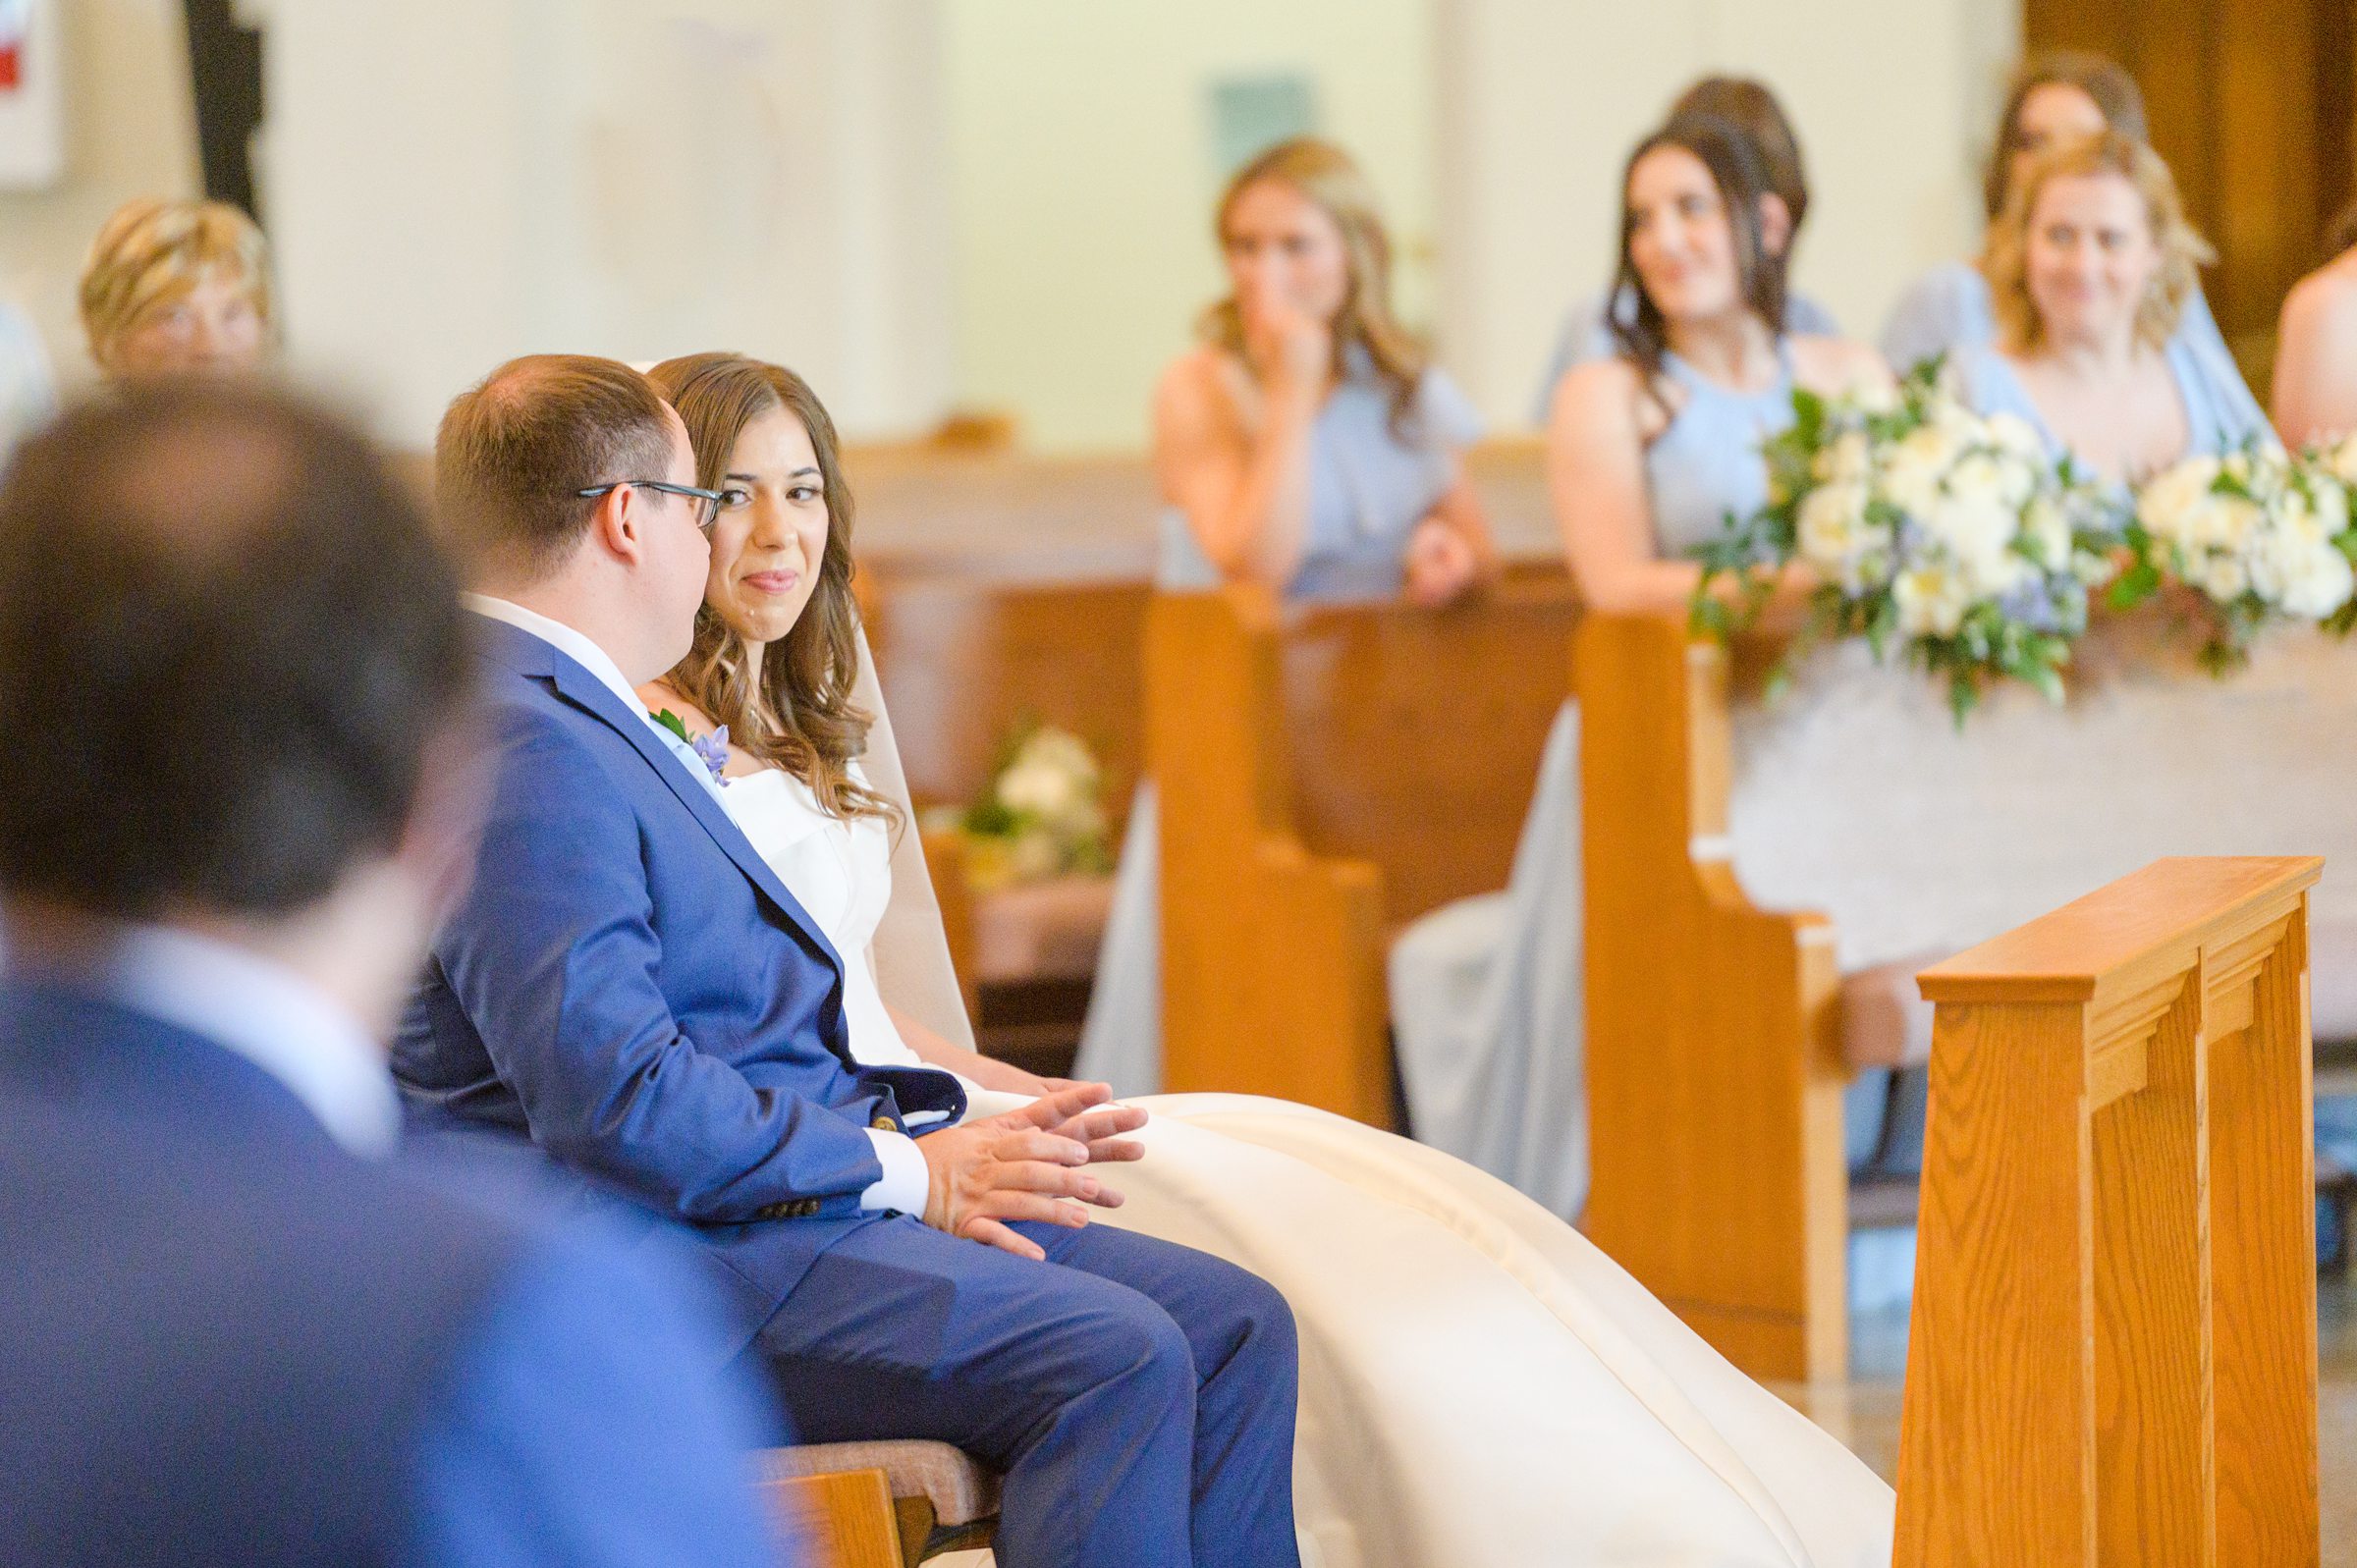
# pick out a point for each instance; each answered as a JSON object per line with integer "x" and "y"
{"x": 804, "y": 678}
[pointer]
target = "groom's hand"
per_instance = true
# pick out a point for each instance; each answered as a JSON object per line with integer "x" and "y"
{"x": 1022, "y": 1166}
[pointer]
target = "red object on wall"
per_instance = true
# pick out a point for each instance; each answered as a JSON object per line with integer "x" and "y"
{"x": 12, "y": 72}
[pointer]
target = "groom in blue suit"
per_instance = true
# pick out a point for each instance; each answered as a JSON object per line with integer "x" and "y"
{"x": 631, "y": 987}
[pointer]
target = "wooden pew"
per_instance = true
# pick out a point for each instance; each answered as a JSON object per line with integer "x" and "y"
{"x": 1714, "y": 1076}
{"x": 964, "y": 655}
{"x": 1326, "y": 776}
{"x": 2113, "y": 1353}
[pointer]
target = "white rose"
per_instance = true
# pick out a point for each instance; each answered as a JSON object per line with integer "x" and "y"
{"x": 2018, "y": 437}
{"x": 2047, "y": 531}
{"x": 1931, "y": 601}
{"x": 2222, "y": 577}
{"x": 1847, "y": 459}
{"x": 1913, "y": 470}
{"x": 1042, "y": 789}
{"x": 2320, "y": 584}
{"x": 1975, "y": 531}
{"x": 1831, "y": 527}
{"x": 2167, "y": 503}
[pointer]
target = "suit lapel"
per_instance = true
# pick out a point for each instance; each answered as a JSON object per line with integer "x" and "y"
{"x": 581, "y": 689}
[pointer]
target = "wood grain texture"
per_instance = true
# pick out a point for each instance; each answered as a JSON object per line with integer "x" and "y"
{"x": 2114, "y": 1350}
{"x": 1272, "y": 977}
{"x": 2263, "y": 1252}
{"x": 965, "y": 657}
{"x": 945, "y": 864}
{"x": 1713, "y": 1066}
{"x": 1325, "y": 775}
{"x": 841, "y": 1520}
{"x": 1999, "y": 1380}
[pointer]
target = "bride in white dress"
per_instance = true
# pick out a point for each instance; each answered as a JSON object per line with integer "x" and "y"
{"x": 1479, "y": 1385}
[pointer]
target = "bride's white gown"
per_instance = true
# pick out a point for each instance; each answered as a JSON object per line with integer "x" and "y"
{"x": 1479, "y": 1385}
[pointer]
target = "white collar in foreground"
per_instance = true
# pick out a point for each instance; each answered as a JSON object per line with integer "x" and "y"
{"x": 271, "y": 1016}
{"x": 574, "y": 645}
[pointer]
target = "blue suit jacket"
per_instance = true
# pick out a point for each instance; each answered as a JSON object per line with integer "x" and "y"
{"x": 225, "y": 1339}
{"x": 631, "y": 986}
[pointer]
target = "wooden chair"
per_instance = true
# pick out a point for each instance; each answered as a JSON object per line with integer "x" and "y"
{"x": 1325, "y": 777}
{"x": 2114, "y": 1355}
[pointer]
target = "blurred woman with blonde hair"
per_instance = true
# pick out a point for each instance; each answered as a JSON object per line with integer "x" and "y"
{"x": 2090, "y": 269}
{"x": 175, "y": 287}
{"x": 1308, "y": 443}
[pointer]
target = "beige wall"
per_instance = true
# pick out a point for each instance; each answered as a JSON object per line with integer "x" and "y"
{"x": 130, "y": 131}
{"x": 1541, "y": 100}
{"x": 1083, "y": 182}
{"x": 454, "y": 182}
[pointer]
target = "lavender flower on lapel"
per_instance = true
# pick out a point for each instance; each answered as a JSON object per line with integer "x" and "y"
{"x": 711, "y": 750}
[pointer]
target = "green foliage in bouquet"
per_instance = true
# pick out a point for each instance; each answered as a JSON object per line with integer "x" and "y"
{"x": 2258, "y": 537}
{"x": 1951, "y": 538}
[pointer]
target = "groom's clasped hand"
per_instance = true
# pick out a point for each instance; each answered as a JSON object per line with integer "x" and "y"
{"x": 1028, "y": 1164}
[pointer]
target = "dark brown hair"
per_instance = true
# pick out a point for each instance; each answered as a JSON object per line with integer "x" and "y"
{"x": 1739, "y": 172}
{"x": 227, "y": 642}
{"x": 513, "y": 451}
{"x": 806, "y": 676}
{"x": 2113, "y": 91}
{"x": 1748, "y": 106}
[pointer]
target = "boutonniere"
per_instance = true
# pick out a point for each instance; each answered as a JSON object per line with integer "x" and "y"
{"x": 711, "y": 750}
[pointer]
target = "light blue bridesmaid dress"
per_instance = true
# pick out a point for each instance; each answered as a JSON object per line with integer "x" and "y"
{"x": 1586, "y": 336}
{"x": 1949, "y": 310}
{"x": 1487, "y": 994}
{"x": 1369, "y": 486}
{"x": 2219, "y": 411}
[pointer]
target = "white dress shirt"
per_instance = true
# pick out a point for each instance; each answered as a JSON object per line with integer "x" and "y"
{"x": 271, "y": 1016}
{"x": 906, "y": 1183}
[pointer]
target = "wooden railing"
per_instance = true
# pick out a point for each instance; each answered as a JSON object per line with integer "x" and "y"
{"x": 2113, "y": 1351}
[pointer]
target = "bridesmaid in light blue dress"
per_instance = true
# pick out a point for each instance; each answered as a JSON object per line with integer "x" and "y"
{"x": 1588, "y": 331}
{"x": 1308, "y": 444}
{"x": 2092, "y": 266}
{"x": 1648, "y": 452}
{"x": 2055, "y": 97}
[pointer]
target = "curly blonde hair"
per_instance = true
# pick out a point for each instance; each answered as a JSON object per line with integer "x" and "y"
{"x": 154, "y": 252}
{"x": 1326, "y": 175}
{"x": 2005, "y": 256}
{"x": 804, "y": 679}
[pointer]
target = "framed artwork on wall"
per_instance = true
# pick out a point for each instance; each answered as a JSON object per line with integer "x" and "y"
{"x": 33, "y": 110}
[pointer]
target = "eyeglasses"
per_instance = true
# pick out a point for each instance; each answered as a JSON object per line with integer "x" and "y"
{"x": 708, "y": 501}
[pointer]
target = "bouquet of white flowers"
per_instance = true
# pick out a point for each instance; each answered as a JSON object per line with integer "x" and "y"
{"x": 1043, "y": 814}
{"x": 1924, "y": 524}
{"x": 2260, "y": 535}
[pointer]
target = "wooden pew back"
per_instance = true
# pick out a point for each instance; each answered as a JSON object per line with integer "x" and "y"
{"x": 1415, "y": 736}
{"x": 2114, "y": 1352}
{"x": 1323, "y": 778}
{"x": 966, "y": 656}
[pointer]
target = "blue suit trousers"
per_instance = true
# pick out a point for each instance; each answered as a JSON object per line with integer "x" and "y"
{"x": 1137, "y": 1395}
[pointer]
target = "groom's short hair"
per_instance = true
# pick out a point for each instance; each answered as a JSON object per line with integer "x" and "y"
{"x": 228, "y": 642}
{"x": 515, "y": 451}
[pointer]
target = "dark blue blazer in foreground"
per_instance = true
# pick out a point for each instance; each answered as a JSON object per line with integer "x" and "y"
{"x": 630, "y": 984}
{"x": 225, "y": 1339}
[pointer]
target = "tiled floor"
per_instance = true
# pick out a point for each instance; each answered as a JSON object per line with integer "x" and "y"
{"x": 1864, "y": 1412}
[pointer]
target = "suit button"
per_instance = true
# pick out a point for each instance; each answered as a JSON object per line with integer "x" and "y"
{"x": 885, "y": 1124}
{"x": 805, "y": 1209}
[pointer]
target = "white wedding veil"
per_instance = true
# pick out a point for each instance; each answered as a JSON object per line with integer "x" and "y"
{"x": 912, "y": 947}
